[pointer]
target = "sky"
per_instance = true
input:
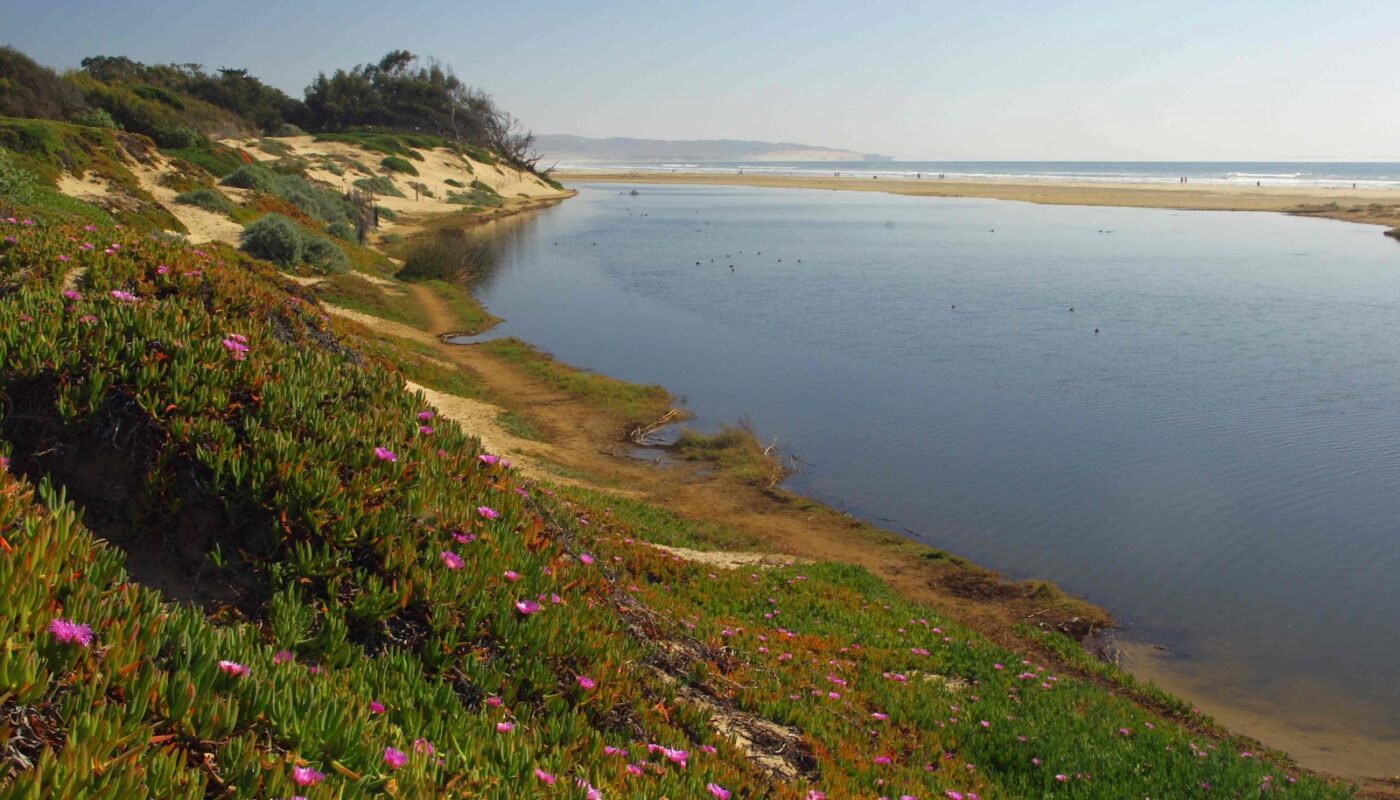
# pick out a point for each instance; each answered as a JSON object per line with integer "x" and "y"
{"x": 1087, "y": 80}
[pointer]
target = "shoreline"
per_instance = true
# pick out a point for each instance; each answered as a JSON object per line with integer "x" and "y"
{"x": 1366, "y": 206}
{"x": 592, "y": 458}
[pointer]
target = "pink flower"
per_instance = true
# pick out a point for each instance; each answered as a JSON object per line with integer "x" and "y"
{"x": 424, "y": 416}
{"x": 451, "y": 560}
{"x": 125, "y": 297}
{"x": 675, "y": 756}
{"x": 717, "y": 790}
{"x": 238, "y": 350}
{"x": 634, "y": 769}
{"x": 306, "y": 776}
{"x": 1061, "y": 777}
{"x": 71, "y": 632}
{"x": 395, "y": 758}
{"x": 585, "y": 558}
{"x": 609, "y": 750}
{"x": 882, "y": 760}
{"x": 815, "y": 795}
{"x": 425, "y": 430}
{"x": 488, "y": 512}
{"x": 463, "y": 538}
{"x": 422, "y": 747}
{"x": 504, "y": 727}
{"x": 376, "y": 707}
{"x": 952, "y": 795}
{"x": 233, "y": 668}
{"x": 527, "y": 607}
{"x": 586, "y": 683}
{"x": 879, "y": 717}
{"x": 494, "y": 701}
{"x": 545, "y": 777}
{"x": 281, "y": 656}
{"x": 488, "y": 459}
{"x": 72, "y": 295}
{"x": 511, "y": 575}
{"x": 385, "y": 454}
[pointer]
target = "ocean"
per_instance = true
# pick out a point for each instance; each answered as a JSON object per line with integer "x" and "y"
{"x": 1321, "y": 174}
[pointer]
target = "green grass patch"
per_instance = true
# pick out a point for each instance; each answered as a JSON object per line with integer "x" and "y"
{"x": 470, "y": 315}
{"x": 207, "y": 198}
{"x": 397, "y": 164}
{"x": 629, "y": 403}
{"x": 216, "y": 159}
{"x": 520, "y": 426}
{"x": 737, "y": 450}
{"x": 379, "y": 184}
{"x": 357, "y": 294}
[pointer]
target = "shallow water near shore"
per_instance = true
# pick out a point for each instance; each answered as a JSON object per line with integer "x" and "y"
{"x": 1217, "y": 466}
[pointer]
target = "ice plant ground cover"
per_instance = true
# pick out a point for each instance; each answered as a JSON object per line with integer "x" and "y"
{"x": 216, "y": 586}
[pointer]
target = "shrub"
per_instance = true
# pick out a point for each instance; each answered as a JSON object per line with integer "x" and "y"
{"x": 323, "y": 254}
{"x": 396, "y": 164}
{"x": 17, "y": 185}
{"x": 216, "y": 159}
{"x": 341, "y": 230}
{"x": 274, "y": 147}
{"x": 287, "y": 129}
{"x": 274, "y": 238}
{"x": 321, "y": 204}
{"x": 421, "y": 188}
{"x": 386, "y": 213}
{"x": 208, "y": 198}
{"x": 451, "y": 255}
{"x": 250, "y": 176}
{"x": 379, "y": 185}
{"x": 455, "y": 182}
{"x": 28, "y": 89}
{"x": 177, "y": 136}
{"x": 95, "y": 118}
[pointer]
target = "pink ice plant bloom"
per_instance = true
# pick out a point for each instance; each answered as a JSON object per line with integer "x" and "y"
{"x": 511, "y": 575}
{"x": 488, "y": 512}
{"x": 395, "y": 758}
{"x": 424, "y": 416}
{"x": 718, "y": 791}
{"x": 306, "y": 776}
{"x": 527, "y": 607}
{"x": 233, "y": 668}
{"x": 585, "y": 558}
{"x": 451, "y": 560}
{"x": 426, "y": 430}
{"x": 586, "y": 683}
{"x": 237, "y": 346}
{"x": 125, "y": 297}
{"x": 71, "y": 632}
{"x": 281, "y": 656}
{"x": 488, "y": 459}
{"x": 376, "y": 707}
{"x": 69, "y": 294}
{"x": 504, "y": 727}
{"x": 545, "y": 777}
{"x": 385, "y": 454}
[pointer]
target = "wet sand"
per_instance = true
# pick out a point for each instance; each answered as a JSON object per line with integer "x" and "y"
{"x": 1373, "y": 206}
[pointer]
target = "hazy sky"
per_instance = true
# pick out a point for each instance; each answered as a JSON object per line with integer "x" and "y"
{"x": 1224, "y": 80}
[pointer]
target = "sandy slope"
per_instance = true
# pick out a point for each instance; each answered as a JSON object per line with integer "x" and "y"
{"x": 436, "y": 168}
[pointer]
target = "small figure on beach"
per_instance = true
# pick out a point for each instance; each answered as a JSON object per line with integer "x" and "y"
{"x": 1096, "y": 331}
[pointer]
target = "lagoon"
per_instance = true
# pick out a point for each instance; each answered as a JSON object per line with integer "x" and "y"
{"x": 1217, "y": 465}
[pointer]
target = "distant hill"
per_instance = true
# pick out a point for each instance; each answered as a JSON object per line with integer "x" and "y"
{"x": 559, "y": 147}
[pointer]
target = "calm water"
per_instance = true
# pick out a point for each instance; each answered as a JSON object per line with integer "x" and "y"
{"x": 1218, "y": 466}
{"x": 1365, "y": 175}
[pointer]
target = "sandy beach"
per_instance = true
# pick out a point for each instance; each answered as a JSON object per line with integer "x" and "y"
{"x": 1372, "y": 206}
